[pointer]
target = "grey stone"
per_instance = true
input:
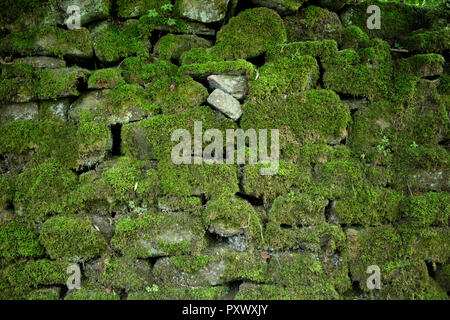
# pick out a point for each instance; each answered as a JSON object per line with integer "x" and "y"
{"x": 42, "y": 62}
{"x": 56, "y": 110}
{"x": 91, "y": 10}
{"x": 234, "y": 85}
{"x": 205, "y": 11}
{"x": 19, "y": 111}
{"x": 226, "y": 103}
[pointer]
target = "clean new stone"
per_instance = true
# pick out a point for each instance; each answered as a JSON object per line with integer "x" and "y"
{"x": 234, "y": 85}
{"x": 225, "y": 103}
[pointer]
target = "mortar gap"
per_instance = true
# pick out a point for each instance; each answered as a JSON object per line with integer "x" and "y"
{"x": 116, "y": 130}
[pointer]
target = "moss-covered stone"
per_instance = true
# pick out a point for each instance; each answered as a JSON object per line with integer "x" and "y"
{"x": 365, "y": 73}
{"x": 71, "y": 237}
{"x": 354, "y": 38}
{"x": 154, "y": 234}
{"x": 49, "y": 41}
{"x": 260, "y": 27}
{"x": 427, "y": 209}
{"x": 204, "y": 68}
{"x": 45, "y": 190}
{"x": 317, "y": 49}
{"x": 202, "y": 11}
{"x": 136, "y": 8}
{"x": 89, "y": 291}
{"x": 230, "y": 216}
{"x": 283, "y": 7}
{"x": 108, "y": 78}
{"x": 171, "y": 47}
{"x": 176, "y": 95}
{"x": 141, "y": 71}
{"x": 114, "y": 42}
{"x": 18, "y": 239}
{"x": 313, "y": 23}
{"x": 430, "y": 41}
{"x": 174, "y": 293}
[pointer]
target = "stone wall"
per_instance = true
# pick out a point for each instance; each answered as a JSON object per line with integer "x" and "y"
{"x": 86, "y": 176}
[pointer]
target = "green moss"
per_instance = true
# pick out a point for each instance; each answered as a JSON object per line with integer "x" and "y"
{"x": 46, "y": 190}
{"x": 53, "y": 84}
{"x": 151, "y": 138}
{"x": 187, "y": 180}
{"x": 18, "y": 239}
{"x": 431, "y": 41}
{"x": 261, "y": 27}
{"x": 91, "y": 292}
{"x": 135, "y": 8}
{"x": 119, "y": 273}
{"x": 427, "y": 209}
{"x": 397, "y": 19}
{"x": 171, "y": 47}
{"x": 365, "y": 73}
{"x": 93, "y": 136}
{"x": 319, "y": 49}
{"x": 203, "y": 69}
{"x": 268, "y": 188}
{"x": 176, "y": 95}
{"x": 45, "y": 294}
{"x": 298, "y": 209}
{"x": 140, "y": 71}
{"x": 310, "y": 116}
{"x": 71, "y": 238}
{"x": 104, "y": 79}
{"x": 277, "y": 77}
{"x": 113, "y": 42}
{"x": 157, "y": 234}
{"x": 174, "y": 293}
{"x": 17, "y": 83}
{"x": 190, "y": 264}
{"x": 354, "y": 38}
{"x": 230, "y": 216}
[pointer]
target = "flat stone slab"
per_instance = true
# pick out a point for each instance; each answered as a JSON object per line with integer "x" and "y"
{"x": 234, "y": 85}
{"x": 225, "y": 103}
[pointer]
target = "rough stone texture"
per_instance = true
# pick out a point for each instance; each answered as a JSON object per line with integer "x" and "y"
{"x": 171, "y": 47}
{"x": 22, "y": 111}
{"x": 203, "y": 10}
{"x": 283, "y": 7}
{"x": 91, "y": 10}
{"x": 42, "y": 62}
{"x": 236, "y": 86}
{"x": 226, "y": 104}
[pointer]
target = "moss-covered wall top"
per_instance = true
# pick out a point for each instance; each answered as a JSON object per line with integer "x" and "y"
{"x": 88, "y": 104}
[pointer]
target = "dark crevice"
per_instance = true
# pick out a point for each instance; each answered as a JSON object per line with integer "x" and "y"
{"x": 258, "y": 61}
{"x": 285, "y": 226}
{"x": 83, "y": 169}
{"x": 445, "y": 144}
{"x": 431, "y": 267}
{"x": 321, "y": 73}
{"x": 253, "y": 200}
{"x": 328, "y": 209}
{"x": 432, "y": 78}
{"x": 152, "y": 261}
{"x": 116, "y": 131}
{"x": 234, "y": 289}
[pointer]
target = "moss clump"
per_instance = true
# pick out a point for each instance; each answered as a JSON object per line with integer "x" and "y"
{"x": 151, "y": 138}
{"x": 203, "y": 69}
{"x": 46, "y": 190}
{"x": 245, "y": 266}
{"x": 108, "y": 78}
{"x": 187, "y": 180}
{"x": 268, "y": 188}
{"x": 119, "y": 273}
{"x": 427, "y": 209}
{"x": 72, "y": 238}
{"x": 431, "y": 41}
{"x": 32, "y": 274}
{"x": 304, "y": 276}
{"x": 298, "y": 210}
{"x": 92, "y": 292}
{"x": 262, "y": 27}
{"x": 18, "y": 239}
{"x": 174, "y": 293}
{"x": 136, "y": 8}
{"x": 365, "y": 73}
{"x": 277, "y": 77}
{"x": 49, "y": 41}
{"x": 231, "y": 216}
{"x": 176, "y": 95}
{"x": 397, "y": 19}
{"x": 47, "y": 138}
{"x": 17, "y": 83}
{"x": 354, "y": 38}
{"x": 45, "y": 294}
{"x": 114, "y": 42}
{"x": 155, "y": 234}
{"x": 57, "y": 83}
{"x": 310, "y": 116}
{"x": 140, "y": 71}
{"x": 171, "y": 47}
{"x": 318, "y": 49}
